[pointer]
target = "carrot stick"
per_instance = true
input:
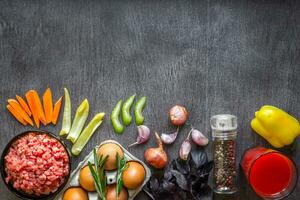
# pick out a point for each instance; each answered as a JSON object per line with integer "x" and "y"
{"x": 23, "y": 105}
{"x": 39, "y": 107}
{"x": 16, "y": 115}
{"x": 17, "y": 107}
{"x": 32, "y": 106}
{"x": 48, "y": 105}
{"x": 56, "y": 111}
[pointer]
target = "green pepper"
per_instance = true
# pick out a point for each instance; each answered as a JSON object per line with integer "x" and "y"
{"x": 118, "y": 127}
{"x": 66, "y": 122}
{"x": 79, "y": 120}
{"x": 87, "y": 133}
{"x": 126, "y": 116}
{"x": 138, "y": 109}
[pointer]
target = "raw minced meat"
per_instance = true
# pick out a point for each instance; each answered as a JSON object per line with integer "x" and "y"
{"x": 36, "y": 164}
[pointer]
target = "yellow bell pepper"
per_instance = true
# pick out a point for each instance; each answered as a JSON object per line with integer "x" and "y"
{"x": 276, "y": 126}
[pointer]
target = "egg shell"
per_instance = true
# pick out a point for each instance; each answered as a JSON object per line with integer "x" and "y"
{"x": 75, "y": 193}
{"x": 134, "y": 175}
{"x": 111, "y": 150}
{"x": 86, "y": 179}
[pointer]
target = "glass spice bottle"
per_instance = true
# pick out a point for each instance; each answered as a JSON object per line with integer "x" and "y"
{"x": 224, "y": 134}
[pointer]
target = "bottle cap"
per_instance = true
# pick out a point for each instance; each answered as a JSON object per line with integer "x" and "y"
{"x": 223, "y": 125}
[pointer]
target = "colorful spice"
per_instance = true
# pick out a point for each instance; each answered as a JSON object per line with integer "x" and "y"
{"x": 225, "y": 170}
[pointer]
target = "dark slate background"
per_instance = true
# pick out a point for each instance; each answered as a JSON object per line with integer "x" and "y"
{"x": 211, "y": 56}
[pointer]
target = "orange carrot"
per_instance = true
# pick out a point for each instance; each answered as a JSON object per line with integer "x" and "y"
{"x": 16, "y": 115}
{"x": 48, "y": 105}
{"x": 17, "y": 107}
{"x": 56, "y": 111}
{"x": 39, "y": 107}
{"x": 32, "y": 106}
{"x": 23, "y": 105}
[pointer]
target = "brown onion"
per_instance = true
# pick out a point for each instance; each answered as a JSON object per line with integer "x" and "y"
{"x": 178, "y": 115}
{"x": 156, "y": 157}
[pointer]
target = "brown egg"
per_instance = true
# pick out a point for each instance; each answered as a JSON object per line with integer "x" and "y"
{"x": 111, "y": 193}
{"x": 86, "y": 179}
{"x": 134, "y": 175}
{"x": 75, "y": 193}
{"x": 110, "y": 150}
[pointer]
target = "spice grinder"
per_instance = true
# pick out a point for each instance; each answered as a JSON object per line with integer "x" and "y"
{"x": 224, "y": 134}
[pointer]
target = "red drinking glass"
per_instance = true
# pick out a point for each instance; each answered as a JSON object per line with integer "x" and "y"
{"x": 271, "y": 174}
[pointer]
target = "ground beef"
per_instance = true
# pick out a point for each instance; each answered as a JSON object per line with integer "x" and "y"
{"x": 36, "y": 164}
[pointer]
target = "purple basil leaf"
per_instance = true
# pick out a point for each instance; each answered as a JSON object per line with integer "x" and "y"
{"x": 180, "y": 179}
{"x": 205, "y": 169}
{"x": 169, "y": 186}
{"x": 180, "y": 195}
{"x": 168, "y": 175}
{"x": 199, "y": 157}
{"x": 200, "y": 191}
{"x": 182, "y": 166}
{"x": 164, "y": 195}
{"x": 153, "y": 184}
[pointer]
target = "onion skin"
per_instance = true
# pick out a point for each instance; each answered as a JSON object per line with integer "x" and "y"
{"x": 156, "y": 157}
{"x": 178, "y": 115}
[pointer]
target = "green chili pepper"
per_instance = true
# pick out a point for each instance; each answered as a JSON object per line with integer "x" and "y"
{"x": 138, "y": 108}
{"x": 66, "y": 122}
{"x": 87, "y": 133}
{"x": 118, "y": 127}
{"x": 79, "y": 120}
{"x": 126, "y": 116}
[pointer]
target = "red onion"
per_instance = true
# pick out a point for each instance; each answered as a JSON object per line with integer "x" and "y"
{"x": 178, "y": 115}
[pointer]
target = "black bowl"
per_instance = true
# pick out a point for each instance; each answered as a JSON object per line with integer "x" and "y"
{"x": 22, "y": 194}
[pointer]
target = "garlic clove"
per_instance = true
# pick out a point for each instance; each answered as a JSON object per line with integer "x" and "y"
{"x": 169, "y": 138}
{"x": 185, "y": 149}
{"x": 143, "y": 135}
{"x": 199, "y": 138}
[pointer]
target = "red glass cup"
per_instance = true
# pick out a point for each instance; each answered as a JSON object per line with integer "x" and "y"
{"x": 271, "y": 174}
